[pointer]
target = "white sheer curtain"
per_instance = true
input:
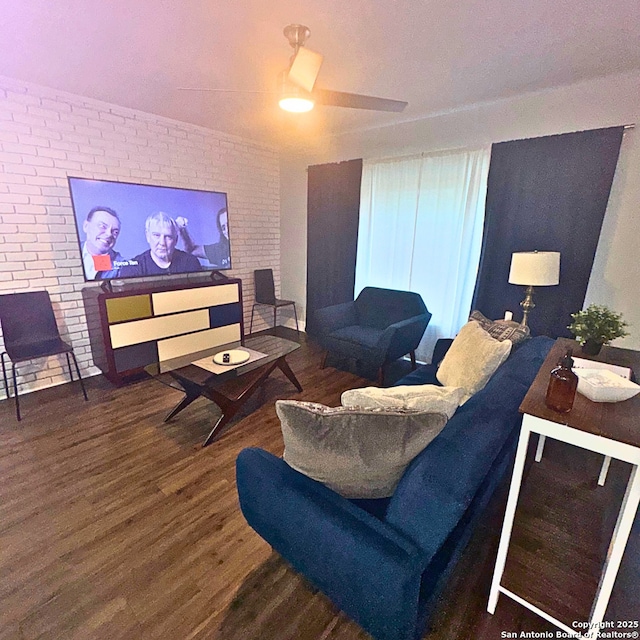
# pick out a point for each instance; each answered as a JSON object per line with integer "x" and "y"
{"x": 420, "y": 230}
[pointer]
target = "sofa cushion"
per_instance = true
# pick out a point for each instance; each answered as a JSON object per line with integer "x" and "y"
{"x": 501, "y": 329}
{"x": 425, "y": 397}
{"x": 423, "y": 374}
{"x": 447, "y": 474}
{"x": 359, "y": 453}
{"x": 359, "y": 335}
{"x": 472, "y": 359}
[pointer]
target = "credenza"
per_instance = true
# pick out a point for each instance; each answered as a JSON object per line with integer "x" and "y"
{"x": 142, "y": 324}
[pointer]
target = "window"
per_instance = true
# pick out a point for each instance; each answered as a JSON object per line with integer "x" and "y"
{"x": 420, "y": 230}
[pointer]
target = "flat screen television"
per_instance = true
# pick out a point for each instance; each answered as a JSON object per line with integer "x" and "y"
{"x": 128, "y": 230}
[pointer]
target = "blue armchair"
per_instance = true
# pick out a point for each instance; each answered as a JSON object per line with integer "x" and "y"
{"x": 380, "y": 326}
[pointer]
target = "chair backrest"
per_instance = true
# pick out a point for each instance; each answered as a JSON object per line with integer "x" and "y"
{"x": 379, "y": 308}
{"x": 265, "y": 289}
{"x": 27, "y": 318}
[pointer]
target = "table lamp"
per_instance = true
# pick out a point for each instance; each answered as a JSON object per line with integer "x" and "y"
{"x": 534, "y": 269}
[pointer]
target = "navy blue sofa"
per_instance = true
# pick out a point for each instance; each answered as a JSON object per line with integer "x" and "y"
{"x": 385, "y": 562}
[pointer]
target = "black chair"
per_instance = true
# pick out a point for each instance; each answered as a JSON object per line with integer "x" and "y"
{"x": 266, "y": 295}
{"x": 29, "y": 330}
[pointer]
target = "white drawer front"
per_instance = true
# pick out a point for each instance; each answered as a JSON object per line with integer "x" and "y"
{"x": 196, "y": 298}
{"x": 138, "y": 331}
{"x": 194, "y": 342}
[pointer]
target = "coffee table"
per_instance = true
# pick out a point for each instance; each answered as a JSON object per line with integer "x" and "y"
{"x": 231, "y": 389}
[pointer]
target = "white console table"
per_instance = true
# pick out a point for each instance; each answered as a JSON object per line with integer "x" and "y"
{"x": 611, "y": 429}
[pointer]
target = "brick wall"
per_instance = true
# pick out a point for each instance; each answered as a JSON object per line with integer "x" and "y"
{"x": 46, "y": 135}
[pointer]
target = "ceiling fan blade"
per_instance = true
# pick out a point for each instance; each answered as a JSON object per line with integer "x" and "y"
{"x": 305, "y": 68}
{"x": 357, "y": 101}
{"x": 221, "y": 90}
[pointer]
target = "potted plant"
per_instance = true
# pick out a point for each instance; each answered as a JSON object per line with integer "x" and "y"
{"x": 597, "y": 325}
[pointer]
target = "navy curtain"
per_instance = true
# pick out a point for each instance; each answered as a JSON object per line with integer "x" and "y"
{"x": 333, "y": 207}
{"x": 545, "y": 194}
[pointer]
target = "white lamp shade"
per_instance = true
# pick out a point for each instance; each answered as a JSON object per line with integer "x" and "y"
{"x": 536, "y": 268}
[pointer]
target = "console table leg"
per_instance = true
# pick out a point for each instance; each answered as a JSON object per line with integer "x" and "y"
{"x": 540, "y": 448}
{"x": 507, "y": 525}
{"x": 605, "y": 469}
{"x": 616, "y": 547}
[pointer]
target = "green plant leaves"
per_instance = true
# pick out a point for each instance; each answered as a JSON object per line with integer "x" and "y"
{"x": 599, "y": 323}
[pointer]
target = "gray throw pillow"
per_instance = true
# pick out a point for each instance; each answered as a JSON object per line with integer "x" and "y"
{"x": 359, "y": 453}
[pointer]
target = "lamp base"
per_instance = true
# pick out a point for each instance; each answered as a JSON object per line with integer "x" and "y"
{"x": 527, "y": 305}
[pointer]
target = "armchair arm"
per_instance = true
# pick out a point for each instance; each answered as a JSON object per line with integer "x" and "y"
{"x": 368, "y": 569}
{"x": 335, "y": 317}
{"x": 440, "y": 350}
{"x": 404, "y": 336}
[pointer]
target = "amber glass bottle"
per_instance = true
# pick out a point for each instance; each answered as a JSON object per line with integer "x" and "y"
{"x": 562, "y": 386}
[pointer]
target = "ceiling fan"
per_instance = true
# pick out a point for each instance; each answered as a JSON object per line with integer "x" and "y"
{"x": 297, "y": 85}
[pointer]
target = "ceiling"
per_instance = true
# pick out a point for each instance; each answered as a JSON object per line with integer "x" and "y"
{"x": 436, "y": 55}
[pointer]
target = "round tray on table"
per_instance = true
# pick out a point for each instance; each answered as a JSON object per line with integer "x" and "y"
{"x": 236, "y": 356}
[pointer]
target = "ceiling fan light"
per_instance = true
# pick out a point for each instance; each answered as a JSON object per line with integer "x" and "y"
{"x": 293, "y": 98}
{"x": 295, "y": 104}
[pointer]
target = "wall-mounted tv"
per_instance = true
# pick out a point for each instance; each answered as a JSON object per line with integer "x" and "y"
{"x": 128, "y": 230}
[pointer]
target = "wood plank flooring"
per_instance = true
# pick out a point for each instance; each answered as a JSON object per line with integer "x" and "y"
{"x": 115, "y": 525}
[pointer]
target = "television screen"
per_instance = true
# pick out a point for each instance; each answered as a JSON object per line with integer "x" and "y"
{"x": 132, "y": 230}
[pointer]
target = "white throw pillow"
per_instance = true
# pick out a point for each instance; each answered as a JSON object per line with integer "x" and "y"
{"x": 359, "y": 453}
{"x": 472, "y": 359}
{"x": 420, "y": 397}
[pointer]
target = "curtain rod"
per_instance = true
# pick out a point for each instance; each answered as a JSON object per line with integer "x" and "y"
{"x": 625, "y": 127}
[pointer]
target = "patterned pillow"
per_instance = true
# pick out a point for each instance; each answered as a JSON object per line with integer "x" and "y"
{"x": 359, "y": 453}
{"x": 501, "y": 329}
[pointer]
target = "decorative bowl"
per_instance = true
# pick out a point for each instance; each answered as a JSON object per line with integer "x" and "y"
{"x": 602, "y": 385}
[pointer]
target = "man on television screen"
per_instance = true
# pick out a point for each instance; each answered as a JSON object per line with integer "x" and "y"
{"x": 219, "y": 253}
{"x": 101, "y": 229}
{"x": 162, "y": 257}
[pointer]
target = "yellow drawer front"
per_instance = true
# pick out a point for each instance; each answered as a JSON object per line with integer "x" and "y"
{"x": 150, "y": 329}
{"x": 196, "y": 298}
{"x": 194, "y": 342}
{"x": 129, "y": 308}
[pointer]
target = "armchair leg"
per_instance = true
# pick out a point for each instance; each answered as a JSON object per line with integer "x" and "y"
{"x": 412, "y": 355}
{"x": 323, "y": 364}
{"x": 381, "y": 376}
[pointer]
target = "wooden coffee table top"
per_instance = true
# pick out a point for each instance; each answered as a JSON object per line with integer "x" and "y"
{"x": 615, "y": 420}
{"x": 273, "y": 346}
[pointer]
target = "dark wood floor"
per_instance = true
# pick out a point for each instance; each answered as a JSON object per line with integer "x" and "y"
{"x": 115, "y": 525}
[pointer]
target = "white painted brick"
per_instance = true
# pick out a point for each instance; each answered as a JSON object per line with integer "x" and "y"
{"x": 19, "y": 169}
{"x": 50, "y": 152}
{"x": 122, "y": 144}
{"x": 40, "y": 180}
{"x": 22, "y": 98}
